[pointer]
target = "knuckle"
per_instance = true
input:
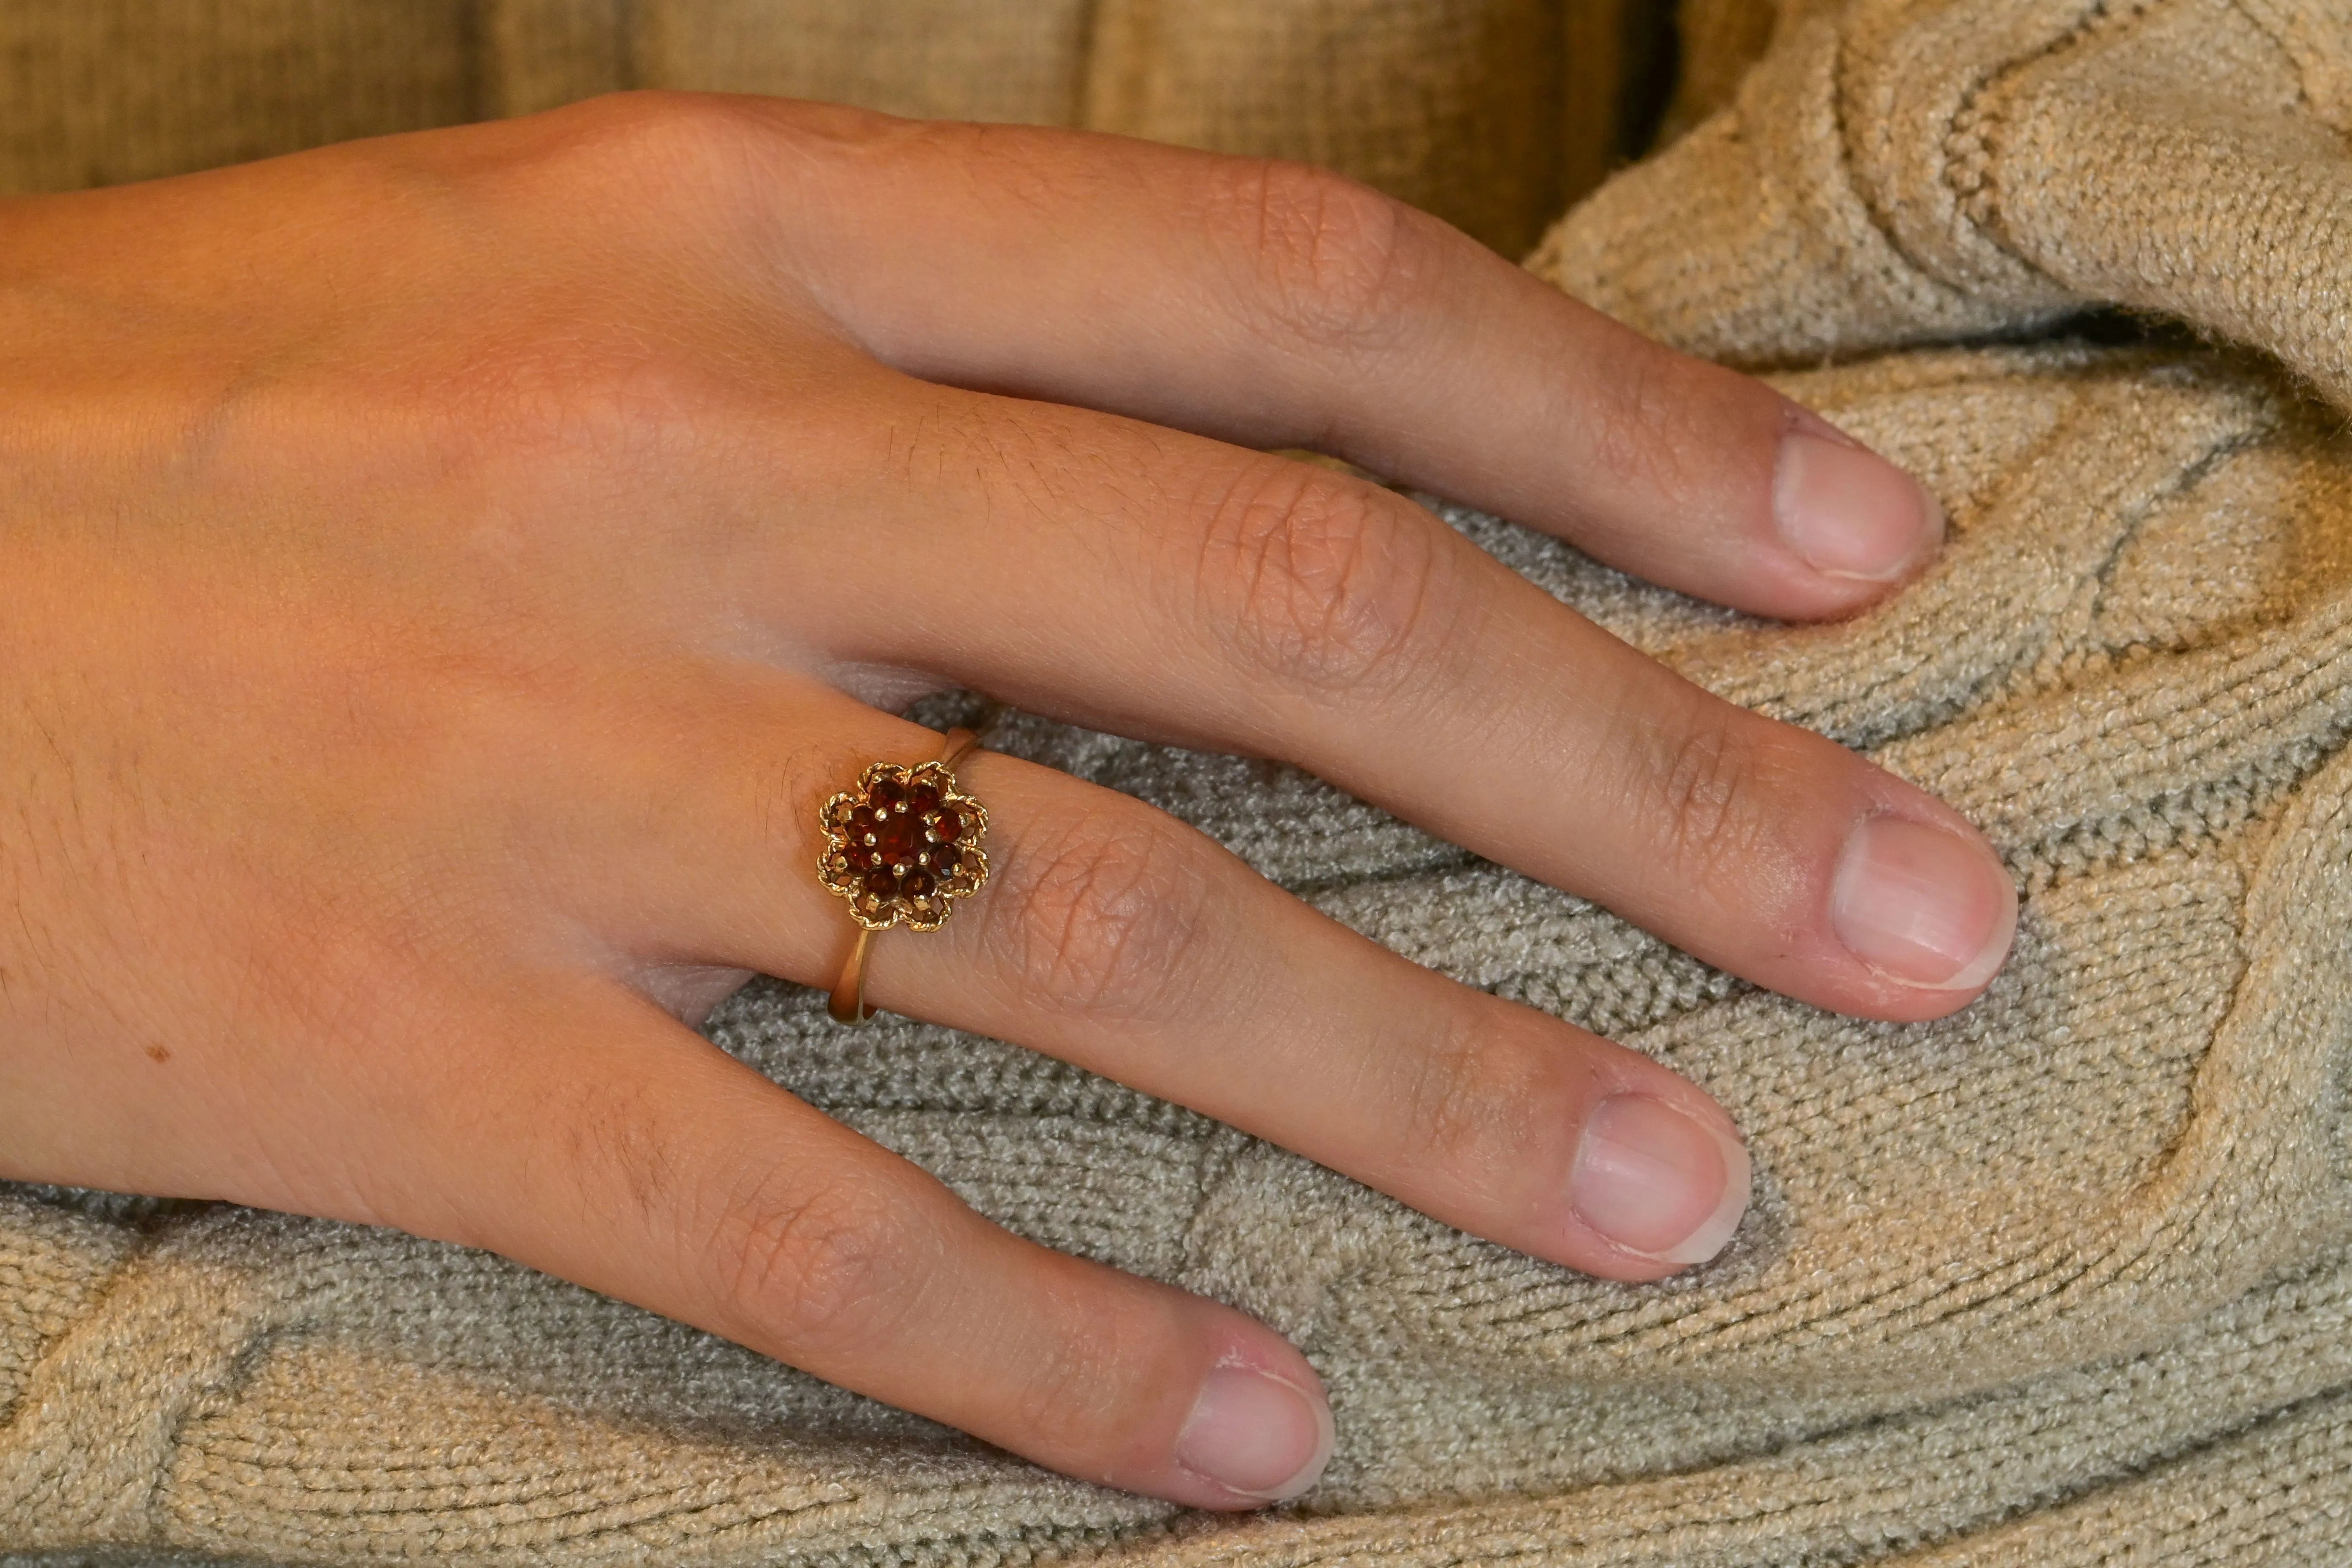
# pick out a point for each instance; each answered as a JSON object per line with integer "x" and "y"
{"x": 797, "y": 1254}
{"x": 1480, "y": 1101}
{"x": 1706, "y": 775}
{"x": 1105, "y": 913}
{"x": 656, "y": 139}
{"x": 1078, "y": 1395}
{"x": 1331, "y": 263}
{"x": 626, "y": 168}
{"x": 1322, "y": 582}
{"x": 1638, "y": 420}
{"x": 819, "y": 1259}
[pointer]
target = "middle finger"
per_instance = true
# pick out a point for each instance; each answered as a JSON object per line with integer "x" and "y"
{"x": 1140, "y": 580}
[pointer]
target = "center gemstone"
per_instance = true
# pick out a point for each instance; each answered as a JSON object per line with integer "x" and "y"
{"x": 902, "y": 844}
{"x": 902, "y": 839}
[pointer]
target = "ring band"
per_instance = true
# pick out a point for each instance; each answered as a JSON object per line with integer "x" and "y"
{"x": 901, "y": 847}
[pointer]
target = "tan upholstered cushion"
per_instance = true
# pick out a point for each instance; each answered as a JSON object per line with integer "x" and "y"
{"x": 1492, "y": 113}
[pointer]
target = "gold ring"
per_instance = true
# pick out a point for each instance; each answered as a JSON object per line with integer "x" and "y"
{"x": 898, "y": 847}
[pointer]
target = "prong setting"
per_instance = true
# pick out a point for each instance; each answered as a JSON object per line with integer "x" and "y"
{"x": 902, "y": 844}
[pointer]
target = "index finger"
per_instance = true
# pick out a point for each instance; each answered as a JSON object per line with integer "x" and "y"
{"x": 1279, "y": 305}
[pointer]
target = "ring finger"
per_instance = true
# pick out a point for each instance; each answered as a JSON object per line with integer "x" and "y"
{"x": 1115, "y": 937}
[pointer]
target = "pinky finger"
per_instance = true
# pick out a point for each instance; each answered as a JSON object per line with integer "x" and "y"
{"x": 617, "y": 1149}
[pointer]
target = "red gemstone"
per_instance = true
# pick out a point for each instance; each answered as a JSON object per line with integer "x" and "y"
{"x": 904, "y": 842}
{"x": 897, "y": 838}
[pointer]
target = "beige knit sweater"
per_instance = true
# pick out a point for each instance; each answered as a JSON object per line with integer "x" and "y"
{"x": 2063, "y": 1279}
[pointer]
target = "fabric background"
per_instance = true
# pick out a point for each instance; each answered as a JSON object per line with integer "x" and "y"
{"x": 2063, "y": 1279}
{"x": 1492, "y": 113}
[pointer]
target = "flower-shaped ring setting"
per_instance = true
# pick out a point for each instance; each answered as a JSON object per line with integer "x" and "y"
{"x": 900, "y": 847}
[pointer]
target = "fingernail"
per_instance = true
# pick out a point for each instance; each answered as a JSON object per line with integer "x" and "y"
{"x": 1658, "y": 1182}
{"x": 1849, "y": 512}
{"x": 1257, "y": 1433}
{"x": 1922, "y": 905}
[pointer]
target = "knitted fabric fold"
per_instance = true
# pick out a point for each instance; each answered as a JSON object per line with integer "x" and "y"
{"x": 2064, "y": 1279}
{"x": 1907, "y": 172}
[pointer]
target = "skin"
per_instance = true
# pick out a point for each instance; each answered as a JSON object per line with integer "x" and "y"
{"x": 447, "y": 573}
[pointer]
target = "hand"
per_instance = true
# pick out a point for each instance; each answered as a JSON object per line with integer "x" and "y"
{"x": 447, "y": 574}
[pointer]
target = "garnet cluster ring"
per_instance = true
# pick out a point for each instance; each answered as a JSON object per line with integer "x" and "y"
{"x": 898, "y": 847}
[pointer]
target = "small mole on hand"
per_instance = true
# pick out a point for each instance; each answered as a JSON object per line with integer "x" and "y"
{"x": 159, "y": 1052}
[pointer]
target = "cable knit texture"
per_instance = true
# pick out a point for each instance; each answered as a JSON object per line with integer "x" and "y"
{"x": 2063, "y": 1279}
